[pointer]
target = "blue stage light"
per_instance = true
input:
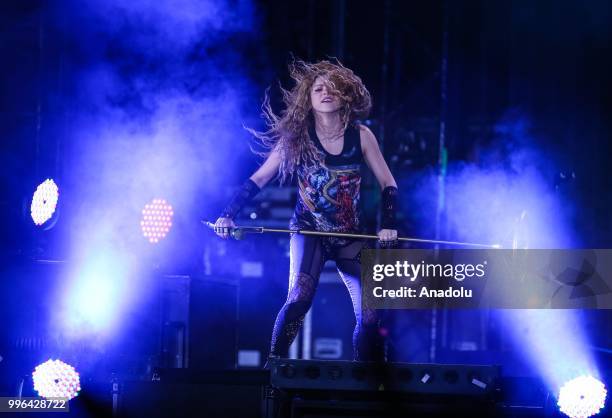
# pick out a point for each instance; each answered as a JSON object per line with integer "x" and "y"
{"x": 56, "y": 379}
{"x": 582, "y": 397}
{"x": 44, "y": 202}
{"x": 95, "y": 296}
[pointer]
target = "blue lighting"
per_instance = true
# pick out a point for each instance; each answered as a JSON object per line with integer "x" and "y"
{"x": 95, "y": 296}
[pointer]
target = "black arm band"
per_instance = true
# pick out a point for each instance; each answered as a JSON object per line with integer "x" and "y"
{"x": 247, "y": 191}
{"x": 389, "y": 208}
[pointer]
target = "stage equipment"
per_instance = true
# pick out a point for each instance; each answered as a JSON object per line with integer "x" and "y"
{"x": 256, "y": 393}
{"x": 213, "y": 323}
{"x": 240, "y": 231}
{"x": 582, "y": 397}
{"x": 156, "y": 220}
{"x": 56, "y": 379}
{"x": 44, "y": 202}
{"x": 397, "y": 377}
{"x": 300, "y": 388}
{"x": 189, "y": 393}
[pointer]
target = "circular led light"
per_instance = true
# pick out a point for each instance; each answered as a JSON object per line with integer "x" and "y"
{"x": 56, "y": 379}
{"x": 582, "y": 397}
{"x": 156, "y": 220}
{"x": 44, "y": 202}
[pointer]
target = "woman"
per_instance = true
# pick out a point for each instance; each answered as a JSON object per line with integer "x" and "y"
{"x": 318, "y": 137}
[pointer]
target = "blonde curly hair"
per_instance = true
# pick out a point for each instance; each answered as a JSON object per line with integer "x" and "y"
{"x": 288, "y": 132}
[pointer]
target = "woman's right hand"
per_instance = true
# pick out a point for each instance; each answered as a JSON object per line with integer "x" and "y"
{"x": 223, "y": 227}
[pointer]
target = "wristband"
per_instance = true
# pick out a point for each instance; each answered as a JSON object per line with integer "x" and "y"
{"x": 389, "y": 208}
{"x": 247, "y": 191}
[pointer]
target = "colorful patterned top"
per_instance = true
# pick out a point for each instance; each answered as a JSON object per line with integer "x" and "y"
{"x": 328, "y": 193}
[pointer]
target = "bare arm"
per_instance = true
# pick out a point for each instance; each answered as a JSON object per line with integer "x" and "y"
{"x": 376, "y": 162}
{"x": 375, "y": 159}
{"x": 267, "y": 171}
{"x": 260, "y": 177}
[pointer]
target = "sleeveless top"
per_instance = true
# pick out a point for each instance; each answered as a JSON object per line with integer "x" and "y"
{"x": 328, "y": 192}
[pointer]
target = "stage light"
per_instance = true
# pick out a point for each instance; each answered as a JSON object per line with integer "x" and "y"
{"x": 156, "y": 220}
{"x": 558, "y": 363}
{"x": 582, "y": 397}
{"x": 56, "y": 379}
{"x": 95, "y": 295}
{"x": 44, "y": 202}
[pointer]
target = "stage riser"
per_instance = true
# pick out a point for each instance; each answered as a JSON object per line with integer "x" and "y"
{"x": 411, "y": 378}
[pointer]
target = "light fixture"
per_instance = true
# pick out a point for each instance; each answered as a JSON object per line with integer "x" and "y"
{"x": 44, "y": 202}
{"x": 156, "y": 220}
{"x": 56, "y": 379}
{"x": 582, "y": 397}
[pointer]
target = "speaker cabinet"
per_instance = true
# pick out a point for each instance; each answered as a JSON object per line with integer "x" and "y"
{"x": 213, "y": 320}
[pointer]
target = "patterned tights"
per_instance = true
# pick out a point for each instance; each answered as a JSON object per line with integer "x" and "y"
{"x": 308, "y": 255}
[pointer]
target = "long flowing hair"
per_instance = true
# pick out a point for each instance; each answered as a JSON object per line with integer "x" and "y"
{"x": 288, "y": 131}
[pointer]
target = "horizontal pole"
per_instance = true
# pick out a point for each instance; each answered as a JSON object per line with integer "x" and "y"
{"x": 261, "y": 230}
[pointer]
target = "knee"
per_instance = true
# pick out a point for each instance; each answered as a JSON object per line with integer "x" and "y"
{"x": 296, "y": 309}
{"x": 302, "y": 288}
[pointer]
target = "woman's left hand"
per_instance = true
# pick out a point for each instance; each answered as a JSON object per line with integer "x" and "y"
{"x": 387, "y": 235}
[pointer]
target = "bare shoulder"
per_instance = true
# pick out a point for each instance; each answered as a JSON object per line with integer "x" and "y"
{"x": 364, "y": 130}
{"x": 368, "y": 140}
